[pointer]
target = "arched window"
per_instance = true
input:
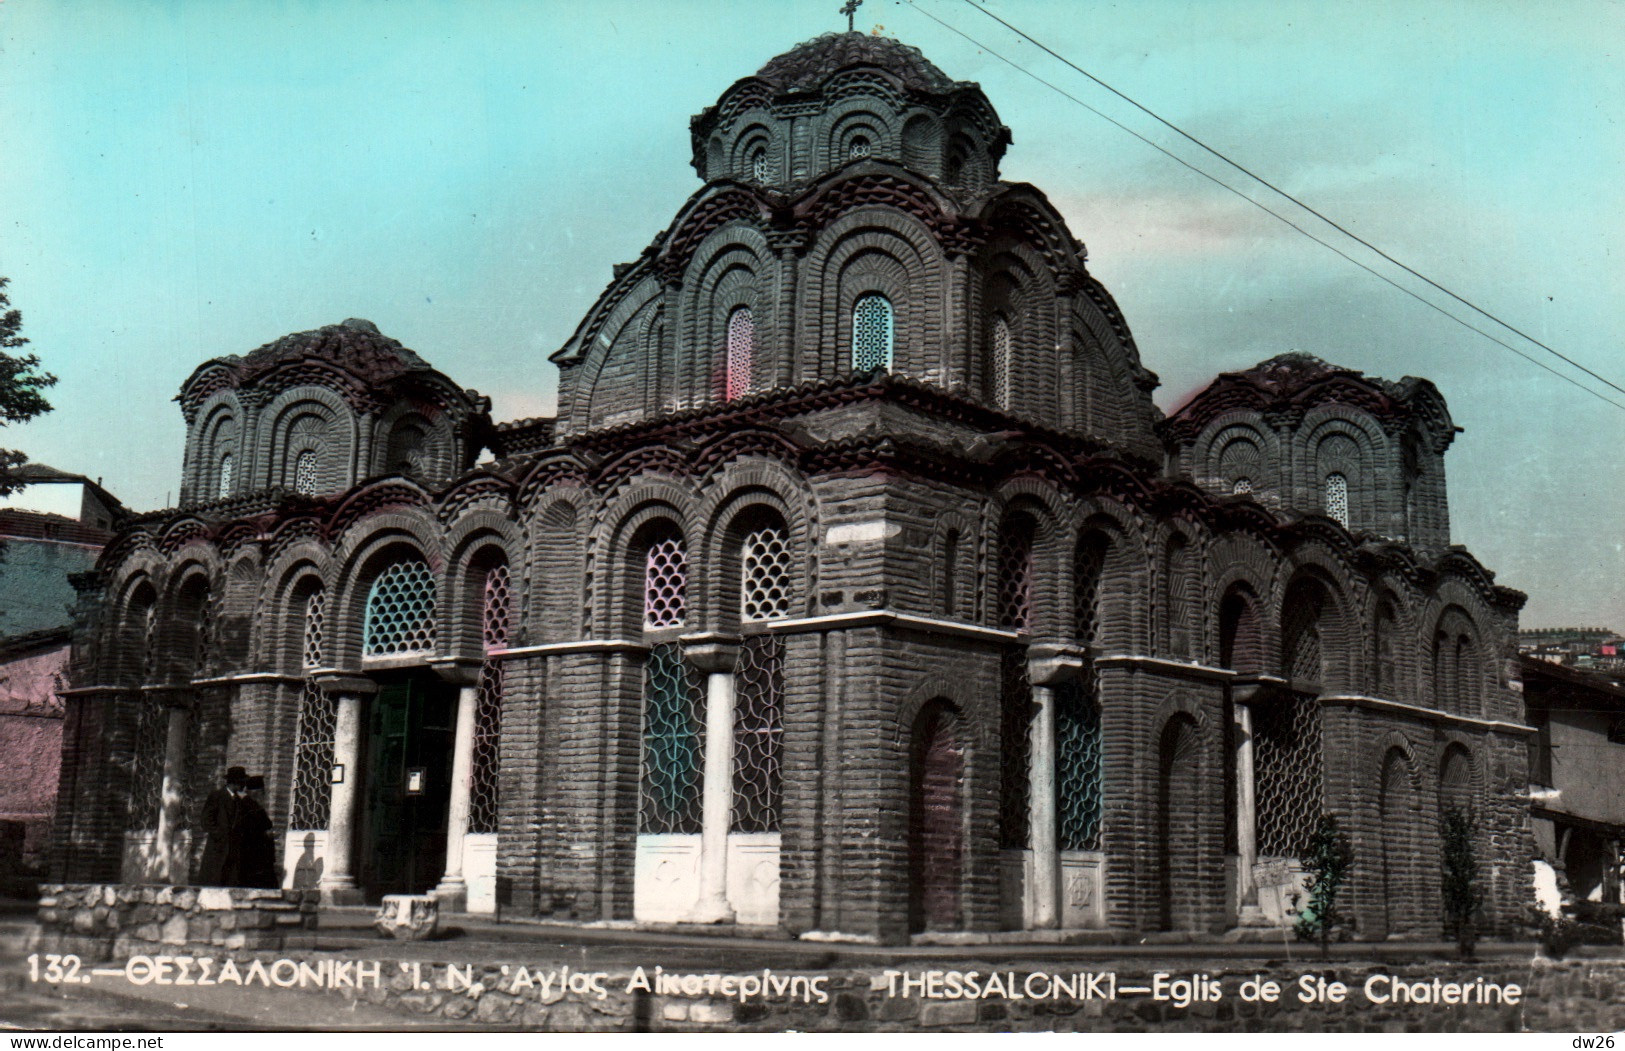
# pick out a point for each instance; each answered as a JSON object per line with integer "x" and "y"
{"x": 1302, "y": 657}
{"x": 871, "y": 333}
{"x": 1001, "y": 362}
{"x": 1337, "y": 499}
{"x": 1466, "y": 677}
{"x": 400, "y": 611}
{"x": 1242, "y": 487}
{"x": 304, "y": 473}
{"x": 1088, "y": 568}
{"x": 1016, "y": 572}
{"x": 950, "y": 572}
{"x": 227, "y": 468}
{"x": 758, "y": 164}
{"x": 741, "y": 352}
{"x": 858, "y": 147}
{"x": 318, "y": 720}
{"x": 408, "y": 446}
{"x": 765, "y": 575}
{"x": 665, "y": 582}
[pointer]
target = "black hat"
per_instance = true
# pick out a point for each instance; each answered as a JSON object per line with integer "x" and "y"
{"x": 236, "y": 775}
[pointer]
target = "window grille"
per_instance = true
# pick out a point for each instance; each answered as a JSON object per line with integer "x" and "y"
{"x": 484, "y": 783}
{"x": 1304, "y": 657}
{"x": 204, "y": 641}
{"x": 673, "y": 743}
{"x": 858, "y": 147}
{"x": 758, "y": 734}
{"x": 1287, "y": 774}
{"x": 226, "y": 471}
{"x": 401, "y": 611}
{"x": 765, "y": 575}
{"x": 758, "y": 165}
{"x": 741, "y": 352}
{"x": 1337, "y": 499}
{"x": 149, "y": 642}
{"x": 1077, "y": 761}
{"x": 665, "y": 579}
{"x": 1015, "y": 757}
{"x": 304, "y": 474}
{"x": 871, "y": 333}
{"x": 1016, "y": 573}
{"x": 313, "y": 758}
{"x": 1088, "y": 570}
{"x": 147, "y": 771}
{"x": 1242, "y": 487}
{"x": 318, "y": 719}
{"x": 1001, "y": 362}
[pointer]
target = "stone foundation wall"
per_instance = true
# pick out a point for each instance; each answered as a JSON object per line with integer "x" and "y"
{"x": 111, "y": 921}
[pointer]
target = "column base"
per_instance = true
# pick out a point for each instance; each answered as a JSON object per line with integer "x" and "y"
{"x": 453, "y": 896}
{"x": 712, "y": 910}
{"x": 346, "y": 893}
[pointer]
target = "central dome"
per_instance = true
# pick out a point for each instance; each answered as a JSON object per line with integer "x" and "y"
{"x": 807, "y": 65}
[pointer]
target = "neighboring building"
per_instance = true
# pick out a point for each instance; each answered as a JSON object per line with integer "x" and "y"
{"x": 40, "y": 553}
{"x": 858, "y": 587}
{"x": 1578, "y": 793}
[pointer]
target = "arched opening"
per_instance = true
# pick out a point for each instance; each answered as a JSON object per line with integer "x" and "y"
{"x": 1337, "y": 499}
{"x": 228, "y": 476}
{"x": 1179, "y": 792}
{"x": 408, "y": 449}
{"x": 663, "y": 571}
{"x": 935, "y": 818}
{"x": 1000, "y": 361}
{"x": 872, "y": 333}
{"x": 400, "y": 613}
{"x": 1399, "y": 822}
{"x": 1088, "y": 573}
{"x": 1016, "y": 539}
{"x": 741, "y": 353}
{"x": 1241, "y": 637}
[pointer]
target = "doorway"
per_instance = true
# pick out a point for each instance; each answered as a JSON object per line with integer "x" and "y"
{"x": 936, "y": 833}
{"x": 407, "y": 801}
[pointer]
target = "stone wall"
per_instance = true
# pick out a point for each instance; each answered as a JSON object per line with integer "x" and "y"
{"x": 107, "y": 921}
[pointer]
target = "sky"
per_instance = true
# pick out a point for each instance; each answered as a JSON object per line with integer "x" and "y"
{"x": 191, "y": 178}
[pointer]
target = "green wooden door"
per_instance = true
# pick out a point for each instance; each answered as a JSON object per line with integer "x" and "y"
{"x": 408, "y": 789}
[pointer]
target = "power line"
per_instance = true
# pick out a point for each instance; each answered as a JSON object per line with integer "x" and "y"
{"x": 1312, "y": 211}
{"x": 1265, "y": 208}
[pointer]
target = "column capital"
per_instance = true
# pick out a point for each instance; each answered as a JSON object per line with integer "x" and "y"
{"x": 170, "y": 695}
{"x": 459, "y": 671}
{"x": 1257, "y": 689}
{"x": 331, "y": 680}
{"x": 710, "y": 651}
{"x": 1051, "y": 664}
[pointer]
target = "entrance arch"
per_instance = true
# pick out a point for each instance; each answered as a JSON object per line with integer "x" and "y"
{"x": 936, "y": 835}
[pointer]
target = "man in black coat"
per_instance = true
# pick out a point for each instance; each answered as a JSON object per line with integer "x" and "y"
{"x": 239, "y": 851}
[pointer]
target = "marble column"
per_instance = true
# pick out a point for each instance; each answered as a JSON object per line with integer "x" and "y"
{"x": 465, "y": 675}
{"x": 172, "y": 854}
{"x": 338, "y": 884}
{"x": 1048, "y": 667}
{"x": 715, "y": 655}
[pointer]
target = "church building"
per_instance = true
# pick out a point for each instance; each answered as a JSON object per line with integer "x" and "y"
{"x": 858, "y": 589}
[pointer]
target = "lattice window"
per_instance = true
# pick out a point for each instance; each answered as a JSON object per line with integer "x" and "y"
{"x": 203, "y": 642}
{"x": 304, "y": 474}
{"x": 227, "y": 470}
{"x": 871, "y": 333}
{"x": 313, "y": 758}
{"x": 1303, "y": 654}
{"x": 741, "y": 352}
{"x": 665, "y": 581}
{"x": 1242, "y": 487}
{"x": 1001, "y": 362}
{"x": 1287, "y": 775}
{"x": 1016, "y": 573}
{"x": 315, "y": 623}
{"x": 318, "y": 719}
{"x": 1337, "y": 499}
{"x": 1089, "y": 569}
{"x": 765, "y": 575}
{"x": 401, "y": 611}
{"x": 1077, "y": 765}
{"x": 147, "y": 767}
{"x": 1015, "y": 756}
{"x": 673, "y": 743}
{"x": 758, "y": 165}
{"x": 149, "y": 642}
{"x": 483, "y": 799}
{"x": 858, "y": 147}
{"x": 758, "y": 734}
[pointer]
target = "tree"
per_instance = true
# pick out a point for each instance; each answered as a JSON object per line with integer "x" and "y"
{"x": 20, "y": 387}
{"x": 1461, "y": 897}
{"x": 1326, "y": 864}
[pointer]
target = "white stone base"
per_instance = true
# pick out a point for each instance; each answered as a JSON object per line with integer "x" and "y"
{"x": 1277, "y": 880}
{"x": 1083, "y": 889}
{"x": 480, "y": 871}
{"x": 666, "y": 876}
{"x": 304, "y": 858}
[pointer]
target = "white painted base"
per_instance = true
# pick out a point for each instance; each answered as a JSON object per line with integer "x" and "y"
{"x": 142, "y": 864}
{"x": 304, "y": 857}
{"x": 1277, "y": 880}
{"x": 666, "y": 875}
{"x": 1547, "y": 897}
{"x": 1083, "y": 890}
{"x": 480, "y": 871}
